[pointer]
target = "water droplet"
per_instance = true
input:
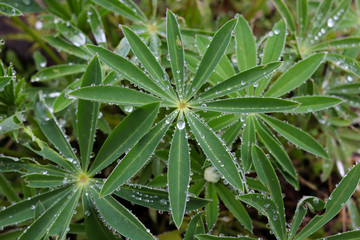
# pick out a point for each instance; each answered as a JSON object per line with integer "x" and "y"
{"x": 330, "y": 23}
{"x": 128, "y": 109}
{"x": 276, "y": 31}
{"x": 180, "y": 125}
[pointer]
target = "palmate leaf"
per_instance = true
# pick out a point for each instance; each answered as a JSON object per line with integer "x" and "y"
{"x": 125, "y": 222}
{"x": 138, "y": 156}
{"x": 125, "y": 8}
{"x": 94, "y": 227}
{"x": 245, "y": 45}
{"x": 210, "y": 237}
{"x": 224, "y": 68}
{"x": 296, "y": 136}
{"x": 194, "y": 227}
{"x": 130, "y": 72}
{"x": 96, "y": 26}
{"x": 148, "y": 60}
{"x": 44, "y": 180}
{"x": 296, "y": 75}
{"x": 267, "y": 176}
{"x": 67, "y": 47}
{"x": 155, "y": 198}
{"x": 51, "y": 129}
{"x": 314, "y": 103}
{"x": 87, "y": 114}
{"x": 125, "y": 135}
{"x": 57, "y": 71}
{"x": 239, "y": 81}
{"x": 215, "y": 150}
{"x": 334, "y": 204}
{"x": 274, "y": 48}
{"x": 42, "y": 224}
{"x": 176, "y": 51}
{"x": 25, "y": 209}
{"x": 178, "y": 174}
{"x": 211, "y": 57}
{"x": 247, "y": 140}
{"x": 212, "y": 208}
{"x": 276, "y": 150}
{"x": 234, "y": 205}
{"x": 266, "y": 206}
{"x": 285, "y": 13}
{"x": 248, "y": 105}
{"x": 337, "y": 44}
{"x": 114, "y": 95}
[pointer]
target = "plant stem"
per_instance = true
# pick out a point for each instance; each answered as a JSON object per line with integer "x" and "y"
{"x": 37, "y": 39}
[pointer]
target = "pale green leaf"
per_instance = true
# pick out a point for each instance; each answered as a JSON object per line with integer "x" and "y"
{"x": 302, "y": 16}
{"x": 125, "y": 135}
{"x": 337, "y": 44}
{"x": 178, "y": 175}
{"x": 58, "y": 71}
{"x": 296, "y": 75}
{"x": 297, "y": 136}
{"x": 285, "y": 13}
{"x": 212, "y": 56}
{"x": 215, "y": 150}
{"x": 347, "y": 64}
{"x": 314, "y": 103}
{"x": 9, "y": 11}
{"x": 138, "y": 155}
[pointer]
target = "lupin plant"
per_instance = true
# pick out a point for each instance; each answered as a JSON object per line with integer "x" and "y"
{"x": 191, "y": 118}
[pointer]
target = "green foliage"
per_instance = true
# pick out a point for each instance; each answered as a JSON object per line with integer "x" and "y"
{"x": 135, "y": 106}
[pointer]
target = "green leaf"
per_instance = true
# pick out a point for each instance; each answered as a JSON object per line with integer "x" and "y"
{"x": 125, "y": 135}
{"x": 351, "y": 235}
{"x": 178, "y": 175}
{"x": 224, "y": 68}
{"x": 230, "y": 134}
{"x": 354, "y": 213}
{"x": 114, "y": 95}
{"x": 247, "y": 105}
{"x": 176, "y": 51}
{"x": 215, "y": 150}
{"x": 51, "y": 129}
{"x": 154, "y": 198}
{"x": 63, "y": 100}
{"x": 11, "y": 123}
{"x": 296, "y": 75}
{"x": 223, "y": 121}
{"x": 94, "y": 227}
{"x": 48, "y": 153}
{"x": 42, "y": 224}
{"x": 313, "y": 203}
{"x": 302, "y": 16}
{"x": 211, "y": 58}
{"x": 210, "y": 237}
{"x": 72, "y": 33}
{"x": 353, "y": 88}
{"x": 248, "y": 139}
{"x": 61, "y": 225}
{"x": 320, "y": 16}
{"x": 148, "y": 60}
{"x": 25, "y": 209}
{"x": 267, "y": 176}
{"x": 234, "y": 206}
{"x": 9, "y": 10}
{"x": 125, "y": 222}
{"x": 138, "y": 155}
{"x": 239, "y": 81}
{"x": 96, "y": 26}
{"x": 192, "y": 227}
{"x": 129, "y": 71}
{"x": 337, "y": 44}
{"x": 314, "y": 103}
{"x": 87, "y": 114}
{"x": 296, "y": 136}
{"x": 57, "y": 71}
{"x": 44, "y": 181}
{"x": 347, "y": 64}
{"x": 4, "y": 81}
{"x": 67, "y": 47}
{"x": 8, "y": 190}
{"x": 334, "y": 204}
{"x": 125, "y": 8}
{"x": 24, "y": 6}
{"x": 266, "y": 207}
{"x": 212, "y": 208}
{"x": 245, "y": 45}
{"x": 285, "y": 13}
